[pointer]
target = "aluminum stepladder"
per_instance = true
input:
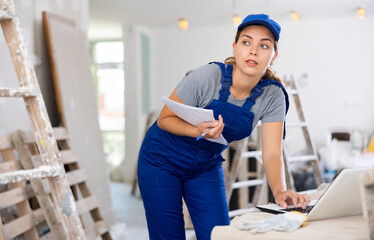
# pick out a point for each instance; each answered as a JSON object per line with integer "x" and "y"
{"x": 68, "y": 225}
{"x": 240, "y": 177}
{"x": 311, "y": 156}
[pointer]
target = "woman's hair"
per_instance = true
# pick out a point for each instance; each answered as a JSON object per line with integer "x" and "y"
{"x": 269, "y": 74}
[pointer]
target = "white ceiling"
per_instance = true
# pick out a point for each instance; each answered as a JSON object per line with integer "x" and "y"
{"x": 158, "y": 13}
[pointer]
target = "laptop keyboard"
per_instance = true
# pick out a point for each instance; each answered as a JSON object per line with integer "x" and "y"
{"x": 299, "y": 209}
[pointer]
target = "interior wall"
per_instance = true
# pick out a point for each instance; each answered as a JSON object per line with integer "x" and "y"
{"x": 30, "y": 15}
{"x": 329, "y": 58}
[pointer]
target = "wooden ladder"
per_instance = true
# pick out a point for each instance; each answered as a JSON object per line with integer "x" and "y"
{"x": 310, "y": 157}
{"x": 70, "y": 226}
{"x": 238, "y": 177}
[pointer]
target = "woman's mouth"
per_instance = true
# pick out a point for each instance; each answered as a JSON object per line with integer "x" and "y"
{"x": 252, "y": 62}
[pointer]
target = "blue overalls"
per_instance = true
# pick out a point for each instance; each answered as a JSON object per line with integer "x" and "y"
{"x": 172, "y": 166}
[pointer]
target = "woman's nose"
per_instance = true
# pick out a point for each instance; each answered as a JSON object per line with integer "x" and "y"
{"x": 253, "y": 51}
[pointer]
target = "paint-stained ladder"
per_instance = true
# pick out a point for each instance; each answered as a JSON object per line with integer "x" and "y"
{"x": 71, "y": 227}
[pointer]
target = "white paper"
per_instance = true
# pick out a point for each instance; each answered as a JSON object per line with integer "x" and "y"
{"x": 193, "y": 115}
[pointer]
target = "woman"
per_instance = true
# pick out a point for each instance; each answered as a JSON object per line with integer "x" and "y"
{"x": 172, "y": 164}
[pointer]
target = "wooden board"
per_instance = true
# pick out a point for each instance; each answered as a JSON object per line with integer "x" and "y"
{"x": 76, "y": 98}
{"x": 14, "y": 199}
{"x": 87, "y": 204}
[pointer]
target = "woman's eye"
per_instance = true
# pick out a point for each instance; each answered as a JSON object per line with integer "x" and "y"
{"x": 264, "y": 46}
{"x": 246, "y": 43}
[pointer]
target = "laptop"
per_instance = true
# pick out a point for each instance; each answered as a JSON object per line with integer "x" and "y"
{"x": 341, "y": 199}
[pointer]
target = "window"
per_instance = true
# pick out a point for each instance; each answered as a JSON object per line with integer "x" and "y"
{"x": 108, "y": 70}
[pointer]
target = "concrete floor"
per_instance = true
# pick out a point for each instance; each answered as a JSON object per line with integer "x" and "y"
{"x": 129, "y": 215}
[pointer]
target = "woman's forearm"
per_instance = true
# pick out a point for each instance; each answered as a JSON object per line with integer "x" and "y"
{"x": 177, "y": 126}
{"x": 274, "y": 170}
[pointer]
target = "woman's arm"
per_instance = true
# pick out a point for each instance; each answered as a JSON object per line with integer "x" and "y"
{"x": 168, "y": 121}
{"x": 272, "y": 133}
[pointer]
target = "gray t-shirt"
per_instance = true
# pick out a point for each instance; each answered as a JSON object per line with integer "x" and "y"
{"x": 200, "y": 86}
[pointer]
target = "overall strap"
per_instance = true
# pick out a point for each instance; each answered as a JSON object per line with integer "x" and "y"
{"x": 255, "y": 93}
{"x": 226, "y": 80}
{"x": 267, "y": 82}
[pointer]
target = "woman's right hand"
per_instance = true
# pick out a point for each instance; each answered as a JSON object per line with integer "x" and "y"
{"x": 215, "y": 128}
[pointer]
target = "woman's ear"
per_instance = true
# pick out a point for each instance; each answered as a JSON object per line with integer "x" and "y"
{"x": 274, "y": 57}
{"x": 233, "y": 47}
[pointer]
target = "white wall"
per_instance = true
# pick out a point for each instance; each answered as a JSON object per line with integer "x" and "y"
{"x": 335, "y": 54}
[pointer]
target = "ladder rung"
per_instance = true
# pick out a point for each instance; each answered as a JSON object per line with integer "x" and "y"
{"x": 251, "y": 154}
{"x": 249, "y": 183}
{"x": 18, "y": 92}
{"x": 296, "y": 124}
{"x": 302, "y": 158}
{"x": 40, "y": 172}
{"x": 5, "y": 15}
{"x": 252, "y": 174}
{"x": 292, "y": 91}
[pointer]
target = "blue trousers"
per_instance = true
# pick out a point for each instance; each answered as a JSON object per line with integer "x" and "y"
{"x": 162, "y": 189}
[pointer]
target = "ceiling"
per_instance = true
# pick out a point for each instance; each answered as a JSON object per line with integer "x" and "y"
{"x": 159, "y": 13}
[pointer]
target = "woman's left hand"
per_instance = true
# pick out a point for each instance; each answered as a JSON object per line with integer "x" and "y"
{"x": 285, "y": 198}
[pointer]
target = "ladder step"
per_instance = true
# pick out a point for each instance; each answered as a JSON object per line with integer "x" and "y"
{"x": 18, "y": 92}
{"x": 302, "y": 158}
{"x": 5, "y": 15}
{"x": 40, "y": 172}
{"x": 296, "y": 124}
{"x": 292, "y": 91}
{"x": 249, "y": 183}
{"x": 251, "y": 154}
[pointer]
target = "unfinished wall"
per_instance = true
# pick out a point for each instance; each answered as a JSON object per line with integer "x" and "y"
{"x": 15, "y": 117}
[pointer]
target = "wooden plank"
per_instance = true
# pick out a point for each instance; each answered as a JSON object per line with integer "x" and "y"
{"x": 76, "y": 176}
{"x": 15, "y": 195}
{"x": 60, "y": 133}
{"x": 5, "y": 142}
{"x": 67, "y": 157}
{"x": 8, "y": 166}
{"x": 87, "y": 204}
{"x": 99, "y": 228}
{"x": 23, "y": 207}
{"x": 18, "y": 92}
{"x": 22, "y": 224}
{"x": 41, "y": 188}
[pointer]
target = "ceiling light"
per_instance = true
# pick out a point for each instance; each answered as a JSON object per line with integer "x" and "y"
{"x": 237, "y": 20}
{"x": 183, "y": 24}
{"x": 361, "y": 13}
{"x": 295, "y": 16}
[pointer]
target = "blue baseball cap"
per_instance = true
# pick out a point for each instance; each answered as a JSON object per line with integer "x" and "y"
{"x": 264, "y": 20}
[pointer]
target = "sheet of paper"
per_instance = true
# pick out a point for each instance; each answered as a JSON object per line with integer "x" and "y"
{"x": 193, "y": 115}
